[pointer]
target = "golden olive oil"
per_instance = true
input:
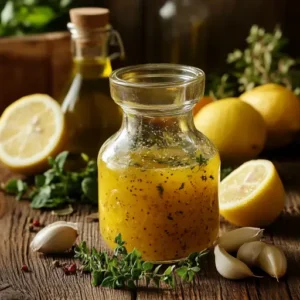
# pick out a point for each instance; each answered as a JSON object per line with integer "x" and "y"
{"x": 90, "y": 113}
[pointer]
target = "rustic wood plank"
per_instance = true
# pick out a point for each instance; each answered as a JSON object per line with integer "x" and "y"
{"x": 45, "y": 283}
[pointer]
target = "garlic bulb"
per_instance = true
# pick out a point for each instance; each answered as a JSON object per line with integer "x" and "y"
{"x": 229, "y": 266}
{"x": 57, "y": 237}
{"x": 249, "y": 252}
{"x": 232, "y": 240}
{"x": 273, "y": 261}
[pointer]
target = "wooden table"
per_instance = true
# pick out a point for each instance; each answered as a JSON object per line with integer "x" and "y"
{"x": 47, "y": 283}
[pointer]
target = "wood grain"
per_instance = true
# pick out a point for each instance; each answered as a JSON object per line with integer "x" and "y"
{"x": 46, "y": 283}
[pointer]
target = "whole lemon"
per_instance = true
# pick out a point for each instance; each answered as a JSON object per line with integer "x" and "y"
{"x": 280, "y": 109}
{"x": 236, "y": 129}
{"x": 203, "y": 101}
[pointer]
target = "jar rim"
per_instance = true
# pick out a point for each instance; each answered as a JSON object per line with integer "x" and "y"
{"x": 184, "y": 75}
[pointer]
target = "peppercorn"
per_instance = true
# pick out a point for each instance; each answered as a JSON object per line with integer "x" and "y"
{"x": 36, "y": 223}
{"x": 25, "y": 268}
{"x": 72, "y": 268}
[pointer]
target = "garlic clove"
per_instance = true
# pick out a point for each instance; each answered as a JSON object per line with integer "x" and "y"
{"x": 249, "y": 252}
{"x": 57, "y": 237}
{"x": 272, "y": 260}
{"x": 229, "y": 266}
{"x": 71, "y": 224}
{"x": 232, "y": 240}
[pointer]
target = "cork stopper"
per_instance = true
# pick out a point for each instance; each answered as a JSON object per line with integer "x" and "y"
{"x": 89, "y": 17}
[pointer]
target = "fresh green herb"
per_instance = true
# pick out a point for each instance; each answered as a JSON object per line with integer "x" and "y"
{"x": 225, "y": 172}
{"x": 201, "y": 160}
{"x": 16, "y": 187}
{"x": 18, "y": 17}
{"x": 160, "y": 190}
{"x": 263, "y": 61}
{"x": 58, "y": 187}
{"x": 124, "y": 269}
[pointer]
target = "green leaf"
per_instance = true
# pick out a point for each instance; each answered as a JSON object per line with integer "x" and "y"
{"x": 169, "y": 270}
{"x": 11, "y": 186}
{"x": 131, "y": 284}
{"x": 51, "y": 161}
{"x": 136, "y": 254}
{"x": 61, "y": 159}
{"x": 90, "y": 189}
{"x": 30, "y": 2}
{"x": 49, "y": 176}
{"x": 85, "y": 157}
{"x": 191, "y": 275}
{"x": 16, "y": 187}
{"x": 39, "y": 16}
{"x": 97, "y": 278}
{"x": 39, "y": 180}
{"x": 108, "y": 281}
{"x": 156, "y": 270}
{"x": 65, "y": 3}
{"x": 147, "y": 266}
{"x": 118, "y": 240}
{"x": 195, "y": 269}
{"x": 135, "y": 273}
{"x": 182, "y": 272}
{"x": 7, "y": 13}
{"x": 41, "y": 198}
{"x": 22, "y": 188}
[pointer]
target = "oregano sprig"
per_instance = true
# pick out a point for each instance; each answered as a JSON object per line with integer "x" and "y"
{"x": 123, "y": 269}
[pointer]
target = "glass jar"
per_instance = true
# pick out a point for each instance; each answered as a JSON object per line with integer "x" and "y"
{"x": 159, "y": 176}
{"x": 90, "y": 113}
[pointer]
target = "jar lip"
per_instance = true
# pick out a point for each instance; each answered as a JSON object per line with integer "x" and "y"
{"x": 189, "y": 75}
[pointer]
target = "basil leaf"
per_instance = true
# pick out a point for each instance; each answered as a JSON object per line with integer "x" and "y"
{"x": 61, "y": 159}
{"x": 90, "y": 189}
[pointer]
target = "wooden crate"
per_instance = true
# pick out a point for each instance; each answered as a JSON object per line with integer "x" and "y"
{"x": 33, "y": 64}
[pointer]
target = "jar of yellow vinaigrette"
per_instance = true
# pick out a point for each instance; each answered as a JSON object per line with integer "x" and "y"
{"x": 158, "y": 175}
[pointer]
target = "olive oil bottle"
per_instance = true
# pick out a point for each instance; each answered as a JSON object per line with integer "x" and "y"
{"x": 90, "y": 113}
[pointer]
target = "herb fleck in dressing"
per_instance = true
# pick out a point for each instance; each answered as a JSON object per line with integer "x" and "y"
{"x": 166, "y": 210}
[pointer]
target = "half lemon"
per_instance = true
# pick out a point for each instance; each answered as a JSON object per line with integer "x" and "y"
{"x": 252, "y": 195}
{"x": 31, "y": 130}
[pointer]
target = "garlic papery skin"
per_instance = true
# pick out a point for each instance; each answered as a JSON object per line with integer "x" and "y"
{"x": 232, "y": 240}
{"x": 57, "y": 237}
{"x": 249, "y": 252}
{"x": 229, "y": 266}
{"x": 272, "y": 260}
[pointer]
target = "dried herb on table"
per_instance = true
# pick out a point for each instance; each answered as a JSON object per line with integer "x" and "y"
{"x": 124, "y": 269}
{"x": 58, "y": 187}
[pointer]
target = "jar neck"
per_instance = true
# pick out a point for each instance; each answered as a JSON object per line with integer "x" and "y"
{"x": 160, "y": 130}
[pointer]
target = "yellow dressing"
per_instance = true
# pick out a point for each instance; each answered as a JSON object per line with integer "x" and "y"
{"x": 165, "y": 211}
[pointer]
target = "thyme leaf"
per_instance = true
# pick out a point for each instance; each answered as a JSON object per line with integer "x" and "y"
{"x": 126, "y": 269}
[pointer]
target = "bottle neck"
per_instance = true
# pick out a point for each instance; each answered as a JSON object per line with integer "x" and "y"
{"x": 90, "y": 53}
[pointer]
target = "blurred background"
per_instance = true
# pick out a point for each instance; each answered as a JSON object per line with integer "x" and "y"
{"x": 195, "y": 32}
